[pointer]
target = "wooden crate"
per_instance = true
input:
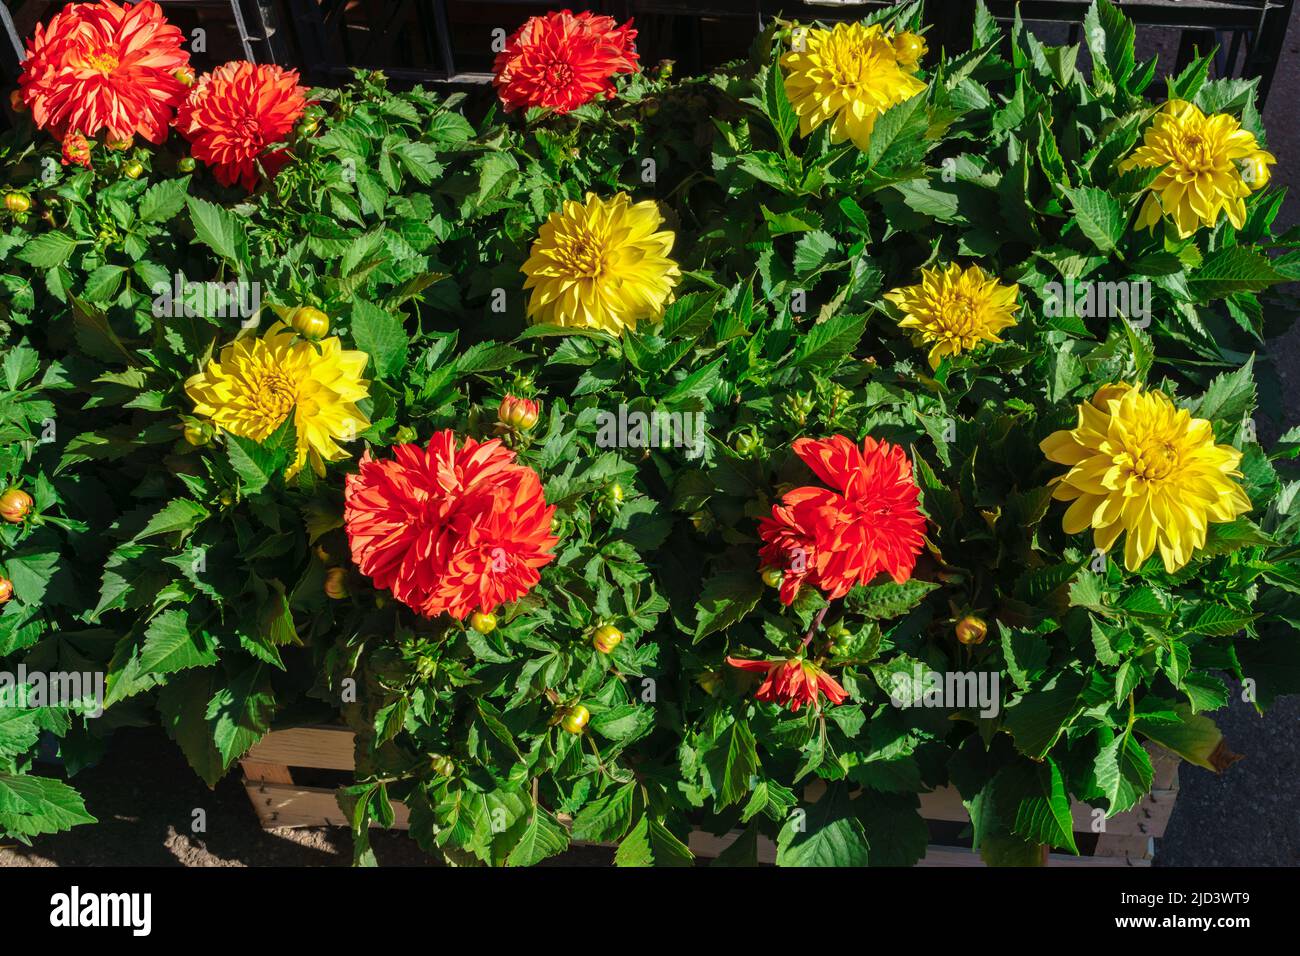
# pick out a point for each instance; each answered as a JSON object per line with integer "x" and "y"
{"x": 1127, "y": 840}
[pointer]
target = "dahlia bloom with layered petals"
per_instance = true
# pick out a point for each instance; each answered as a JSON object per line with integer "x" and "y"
{"x": 601, "y": 264}
{"x": 835, "y": 539}
{"x": 258, "y": 382}
{"x": 233, "y": 114}
{"x": 953, "y": 310}
{"x": 1141, "y": 466}
{"x": 560, "y": 61}
{"x": 103, "y": 67}
{"x": 792, "y": 683}
{"x": 849, "y": 76}
{"x": 1208, "y": 165}
{"x": 451, "y": 527}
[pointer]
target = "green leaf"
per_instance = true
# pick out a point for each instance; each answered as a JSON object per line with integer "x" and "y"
{"x": 240, "y": 714}
{"x": 219, "y": 229}
{"x": 726, "y": 598}
{"x": 489, "y": 357}
{"x": 1230, "y": 397}
{"x": 811, "y": 251}
{"x": 48, "y": 250}
{"x": 380, "y": 334}
{"x": 888, "y": 599}
{"x": 102, "y": 285}
{"x": 1231, "y": 269}
{"x": 170, "y": 644}
{"x": 163, "y": 200}
{"x": 731, "y": 763}
{"x": 1099, "y": 215}
{"x": 32, "y": 805}
{"x": 895, "y": 831}
{"x": 179, "y": 516}
{"x": 542, "y": 837}
{"x": 1041, "y": 804}
{"x": 1195, "y": 738}
{"x": 252, "y": 462}
{"x": 19, "y": 725}
{"x": 777, "y": 105}
{"x": 182, "y": 705}
{"x": 1218, "y": 620}
{"x": 607, "y": 818}
{"x": 829, "y": 833}
{"x": 1037, "y": 718}
{"x": 691, "y": 315}
{"x": 651, "y": 844}
{"x": 897, "y": 136}
{"x": 1124, "y": 773}
{"x": 1026, "y": 655}
{"x": 828, "y": 342}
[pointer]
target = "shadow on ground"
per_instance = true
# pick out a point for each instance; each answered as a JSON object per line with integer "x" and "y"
{"x": 145, "y": 797}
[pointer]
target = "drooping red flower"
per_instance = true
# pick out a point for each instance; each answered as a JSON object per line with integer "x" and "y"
{"x": 76, "y": 150}
{"x": 836, "y": 539}
{"x": 448, "y": 528}
{"x": 100, "y": 66}
{"x": 792, "y": 683}
{"x": 233, "y": 114}
{"x": 560, "y": 61}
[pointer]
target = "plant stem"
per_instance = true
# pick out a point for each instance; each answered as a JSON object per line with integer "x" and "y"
{"x": 816, "y": 623}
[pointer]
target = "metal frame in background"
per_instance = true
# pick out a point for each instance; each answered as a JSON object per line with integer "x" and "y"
{"x": 321, "y": 28}
{"x": 1256, "y": 26}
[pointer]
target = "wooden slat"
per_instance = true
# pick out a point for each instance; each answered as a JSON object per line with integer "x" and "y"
{"x": 257, "y": 772}
{"x": 1125, "y": 841}
{"x": 1135, "y": 845}
{"x": 1148, "y": 818}
{"x": 278, "y": 805}
{"x": 325, "y": 748}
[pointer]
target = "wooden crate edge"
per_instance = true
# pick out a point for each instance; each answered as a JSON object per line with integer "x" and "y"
{"x": 1127, "y": 838}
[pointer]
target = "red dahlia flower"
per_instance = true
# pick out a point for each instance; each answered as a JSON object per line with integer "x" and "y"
{"x": 76, "y": 150}
{"x": 100, "y": 66}
{"x": 835, "y": 539}
{"x": 449, "y": 529}
{"x": 235, "y": 112}
{"x": 792, "y": 683}
{"x": 560, "y": 61}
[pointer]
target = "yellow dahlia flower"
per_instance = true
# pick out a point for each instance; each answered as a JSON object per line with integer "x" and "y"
{"x": 849, "y": 76}
{"x": 602, "y": 264}
{"x": 258, "y": 382}
{"x": 1142, "y": 465}
{"x": 954, "y": 310}
{"x": 1208, "y": 165}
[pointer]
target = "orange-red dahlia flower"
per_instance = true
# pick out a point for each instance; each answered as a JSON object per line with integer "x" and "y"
{"x": 560, "y": 61}
{"x": 100, "y": 66}
{"x": 447, "y": 528}
{"x": 792, "y": 683}
{"x": 235, "y": 112}
{"x": 836, "y": 539}
{"x": 76, "y": 150}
